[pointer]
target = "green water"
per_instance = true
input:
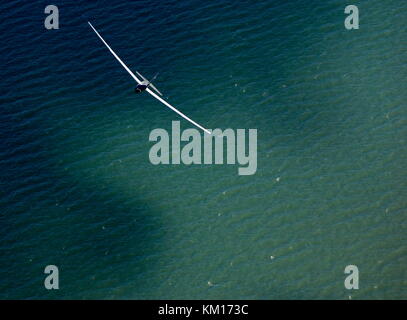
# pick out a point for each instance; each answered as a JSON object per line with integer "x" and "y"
{"x": 78, "y": 190}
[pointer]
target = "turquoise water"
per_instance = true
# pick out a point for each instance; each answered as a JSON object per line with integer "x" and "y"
{"x": 78, "y": 190}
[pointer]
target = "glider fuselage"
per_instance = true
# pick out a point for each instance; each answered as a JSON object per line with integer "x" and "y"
{"x": 141, "y": 87}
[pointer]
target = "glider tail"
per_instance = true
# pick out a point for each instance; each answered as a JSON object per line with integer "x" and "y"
{"x": 152, "y": 86}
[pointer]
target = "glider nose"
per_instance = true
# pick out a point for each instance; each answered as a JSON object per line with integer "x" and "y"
{"x": 140, "y": 88}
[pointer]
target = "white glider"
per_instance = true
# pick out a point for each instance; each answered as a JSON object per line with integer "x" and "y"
{"x": 145, "y": 85}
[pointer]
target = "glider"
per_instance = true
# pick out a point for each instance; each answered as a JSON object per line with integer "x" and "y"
{"x": 145, "y": 85}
